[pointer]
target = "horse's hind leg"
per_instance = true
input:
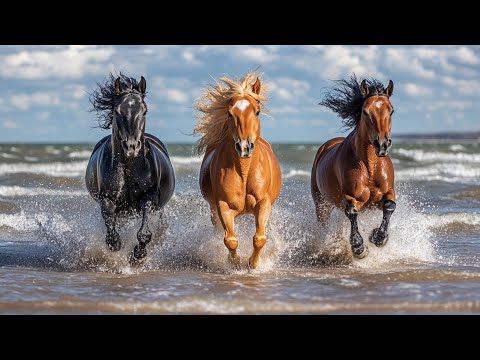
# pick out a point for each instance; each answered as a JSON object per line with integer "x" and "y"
{"x": 144, "y": 235}
{"x": 359, "y": 250}
{"x": 108, "y": 213}
{"x": 323, "y": 209}
{"x": 227, "y": 217}
{"x": 262, "y": 213}
{"x": 379, "y": 236}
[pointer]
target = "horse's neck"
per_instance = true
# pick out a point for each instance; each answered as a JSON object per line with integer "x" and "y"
{"x": 364, "y": 151}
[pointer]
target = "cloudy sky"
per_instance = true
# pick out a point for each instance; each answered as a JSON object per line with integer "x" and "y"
{"x": 44, "y": 89}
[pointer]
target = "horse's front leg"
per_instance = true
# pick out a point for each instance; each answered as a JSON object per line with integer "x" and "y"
{"x": 144, "y": 235}
{"x": 108, "y": 213}
{"x": 227, "y": 218}
{"x": 352, "y": 206}
{"x": 379, "y": 236}
{"x": 262, "y": 213}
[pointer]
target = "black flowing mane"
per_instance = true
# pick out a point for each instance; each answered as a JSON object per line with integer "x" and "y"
{"x": 104, "y": 98}
{"x": 346, "y": 99}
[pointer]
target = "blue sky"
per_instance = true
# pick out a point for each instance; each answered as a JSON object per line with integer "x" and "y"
{"x": 44, "y": 89}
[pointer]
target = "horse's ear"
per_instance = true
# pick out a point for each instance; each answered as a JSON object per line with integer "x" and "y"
{"x": 364, "y": 88}
{"x": 389, "y": 89}
{"x": 118, "y": 86}
{"x": 257, "y": 86}
{"x": 142, "y": 86}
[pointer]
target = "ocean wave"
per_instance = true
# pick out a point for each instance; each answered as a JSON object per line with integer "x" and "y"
{"x": 51, "y": 150}
{"x": 457, "y": 147}
{"x": 186, "y": 160}
{"x": 84, "y": 154}
{"x": 295, "y": 172}
{"x": 446, "y": 172}
{"x": 62, "y": 169}
{"x": 8, "y": 156}
{"x": 31, "y": 158}
{"x": 12, "y": 191}
{"x": 422, "y": 156}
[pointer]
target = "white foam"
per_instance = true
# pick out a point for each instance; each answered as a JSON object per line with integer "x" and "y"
{"x": 13, "y": 191}
{"x": 294, "y": 172}
{"x": 447, "y": 172}
{"x": 31, "y": 158}
{"x": 186, "y": 160}
{"x": 84, "y": 154}
{"x": 51, "y": 150}
{"x": 8, "y": 156}
{"x": 422, "y": 156}
{"x": 457, "y": 147}
{"x": 66, "y": 169}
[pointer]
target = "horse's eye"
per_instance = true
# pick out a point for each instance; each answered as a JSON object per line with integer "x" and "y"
{"x": 365, "y": 113}
{"x": 145, "y": 113}
{"x": 257, "y": 113}
{"x": 230, "y": 116}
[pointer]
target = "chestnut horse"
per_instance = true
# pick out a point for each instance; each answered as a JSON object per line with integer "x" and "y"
{"x": 356, "y": 172}
{"x": 239, "y": 173}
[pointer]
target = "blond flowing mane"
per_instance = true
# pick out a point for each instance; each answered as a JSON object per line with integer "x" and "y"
{"x": 212, "y": 107}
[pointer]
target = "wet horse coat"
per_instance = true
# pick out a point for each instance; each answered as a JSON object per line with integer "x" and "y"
{"x": 356, "y": 172}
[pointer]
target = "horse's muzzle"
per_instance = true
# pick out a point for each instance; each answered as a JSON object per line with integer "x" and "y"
{"x": 244, "y": 148}
{"x": 382, "y": 147}
{"x": 131, "y": 148}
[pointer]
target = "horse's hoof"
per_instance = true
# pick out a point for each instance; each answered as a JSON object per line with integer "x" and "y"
{"x": 253, "y": 263}
{"x": 360, "y": 252}
{"x": 234, "y": 261}
{"x": 377, "y": 238}
{"x": 138, "y": 256}
{"x": 113, "y": 242}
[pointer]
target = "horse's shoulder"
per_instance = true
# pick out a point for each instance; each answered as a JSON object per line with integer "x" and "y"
{"x": 100, "y": 143}
{"x": 326, "y": 146}
{"x": 265, "y": 143}
{"x": 156, "y": 141}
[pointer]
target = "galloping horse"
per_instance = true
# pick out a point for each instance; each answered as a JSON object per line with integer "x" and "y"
{"x": 129, "y": 170}
{"x": 239, "y": 173}
{"x": 356, "y": 172}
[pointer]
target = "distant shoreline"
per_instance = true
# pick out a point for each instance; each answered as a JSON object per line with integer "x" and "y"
{"x": 443, "y": 136}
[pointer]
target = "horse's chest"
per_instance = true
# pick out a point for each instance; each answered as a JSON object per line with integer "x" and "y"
{"x": 243, "y": 193}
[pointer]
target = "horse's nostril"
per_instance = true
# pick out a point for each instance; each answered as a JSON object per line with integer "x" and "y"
{"x": 389, "y": 142}
{"x": 376, "y": 143}
{"x": 252, "y": 146}
{"x": 238, "y": 147}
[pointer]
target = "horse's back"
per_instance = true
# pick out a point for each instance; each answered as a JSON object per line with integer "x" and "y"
{"x": 323, "y": 172}
{"x": 91, "y": 176}
{"x": 163, "y": 167}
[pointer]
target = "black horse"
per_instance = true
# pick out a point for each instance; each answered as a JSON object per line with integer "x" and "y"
{"x": 130, "y": 170}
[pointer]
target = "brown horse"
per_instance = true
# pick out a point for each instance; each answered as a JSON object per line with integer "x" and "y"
{"x": 240, "y": 173}
{"x": 356, "y": 172}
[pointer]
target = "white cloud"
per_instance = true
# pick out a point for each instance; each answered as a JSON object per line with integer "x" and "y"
{"x": 258, "y": 54}
{"x": 412, "y": 89}
{"x": 403, "y": 59}
{"x": 9, "y": 124}
{"x": 467, "y": 56}
{"x": 66, "y": 62}
{"x": 190, "y": 57}
{"x": 289, "y": 88}
{"x": 26, "y": 101}
{"x": 42, "y": 115}
{"x": 337, "y": 61}
{"x": 177, "y": 96}
{"x": 463, "y": 86}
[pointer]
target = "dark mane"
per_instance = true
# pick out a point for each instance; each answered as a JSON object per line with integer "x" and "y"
{"x": 104, "y": 98}
{"x": 346, "y": 99}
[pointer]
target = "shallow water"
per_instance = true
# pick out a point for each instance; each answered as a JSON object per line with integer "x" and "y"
{"x": 53, "y": 258}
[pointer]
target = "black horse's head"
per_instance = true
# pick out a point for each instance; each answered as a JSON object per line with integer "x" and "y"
{"x": 129, "y": 115}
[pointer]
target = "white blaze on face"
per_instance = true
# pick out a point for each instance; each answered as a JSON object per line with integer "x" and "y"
{"x": 378, "y": 104}
{"x": 131, "y": 102}
{"x": 242, "y": 104}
